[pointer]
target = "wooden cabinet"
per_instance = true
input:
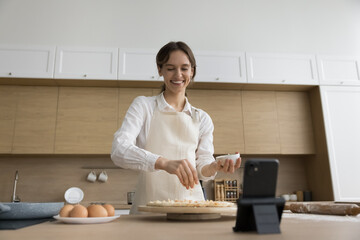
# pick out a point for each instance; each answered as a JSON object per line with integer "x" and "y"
{"x": 87, "y": 119}
{"x": 281, "y": 69}
{"x": 8, "y": 102}
{"x": 224, "y": 108}
{"x": 27, "y": 61}
{"x": 338, "y": 70}
{"x": 261, "y": 128}
{"x": 35, "y": 120}
{"x": 220, "y": 67}
{"x": 294, "y": 121}
{"x": 138, "y": 64}
{"x": 342, "y": 117}
{"x": 86, "y": 63}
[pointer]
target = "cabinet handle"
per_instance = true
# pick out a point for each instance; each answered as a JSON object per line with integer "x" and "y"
{"x": 283, "y": 80}
{"x": 10, "y": 73}
{"x": 152, "y": 77}
{"x": 85, "y": 75}
{"x": 341, "y": 82}
{"x": 217, "y": 79}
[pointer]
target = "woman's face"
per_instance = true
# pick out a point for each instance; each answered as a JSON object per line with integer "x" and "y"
{"x": 177, "y": 72}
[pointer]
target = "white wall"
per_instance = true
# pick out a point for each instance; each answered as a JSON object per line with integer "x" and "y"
{"x": 296, "y": 26}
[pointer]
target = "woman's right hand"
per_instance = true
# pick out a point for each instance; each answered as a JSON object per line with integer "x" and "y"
{"x": 181, "y": 168}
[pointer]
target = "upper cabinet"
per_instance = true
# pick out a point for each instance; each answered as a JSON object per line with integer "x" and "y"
{"x": 138, "y": 64}
{"x": 338, "y": 70}
{"x": 220, "y": 67}
{"x": 27, "y": 62}
{"x": 86, "y": 63}
{"x": 281, "y": 69}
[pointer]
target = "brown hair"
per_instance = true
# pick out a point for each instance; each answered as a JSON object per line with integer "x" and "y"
{"x": 164, "y": 54}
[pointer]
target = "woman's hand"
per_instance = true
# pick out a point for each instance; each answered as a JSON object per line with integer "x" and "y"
{"x": 181, "y": 168}
{"x": 228, "y": 167}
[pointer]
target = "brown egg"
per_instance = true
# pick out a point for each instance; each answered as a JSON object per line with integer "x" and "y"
{"x": 110, "y": 209}
{"x": 65, "y": 210}
{"x": 79, "y": 211}
{"x": 96, "y": 210}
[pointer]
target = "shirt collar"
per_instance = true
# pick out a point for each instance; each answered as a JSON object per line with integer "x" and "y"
{"x": 165, "y": 107}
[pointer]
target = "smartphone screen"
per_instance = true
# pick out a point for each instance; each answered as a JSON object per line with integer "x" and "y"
{"x": 260, "y": 176}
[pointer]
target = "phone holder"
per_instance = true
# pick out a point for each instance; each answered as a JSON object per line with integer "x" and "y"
{"x": 259, "y": 214}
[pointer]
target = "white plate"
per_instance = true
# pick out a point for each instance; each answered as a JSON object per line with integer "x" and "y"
{"x": 74, "y": 195}
{"x": 87, "y": 220}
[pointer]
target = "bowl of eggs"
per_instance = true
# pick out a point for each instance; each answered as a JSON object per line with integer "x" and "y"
{"x": 94, "y": 213}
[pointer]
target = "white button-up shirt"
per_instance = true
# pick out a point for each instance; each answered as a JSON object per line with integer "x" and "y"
{"x": 129, "y": 141}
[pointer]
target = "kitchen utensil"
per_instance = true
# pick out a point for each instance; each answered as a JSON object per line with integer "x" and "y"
{"x": 130, "y": 197}
{"x": 27, "y": 210}
{"x": 103, "y": 177}
{"x": 73, "y": 195}
{"x": 325, "y": 208}
{"x": 91, "y": 177}
{"x": 233, "y": 157}
{"x": 87, "y": 220}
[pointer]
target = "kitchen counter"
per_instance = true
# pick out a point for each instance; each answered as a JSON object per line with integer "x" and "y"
{"x": 293, "y": 226}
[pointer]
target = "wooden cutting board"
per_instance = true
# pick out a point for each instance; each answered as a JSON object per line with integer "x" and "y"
{"x": 190, "y": 213}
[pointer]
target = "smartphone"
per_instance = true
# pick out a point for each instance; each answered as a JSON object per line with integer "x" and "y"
{"x": 260, "y": 177}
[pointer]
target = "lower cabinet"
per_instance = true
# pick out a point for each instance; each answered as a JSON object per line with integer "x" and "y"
{"x": 342, "y": 125}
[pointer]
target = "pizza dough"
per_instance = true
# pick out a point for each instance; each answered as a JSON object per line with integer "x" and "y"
{"x": 189, "y": 203}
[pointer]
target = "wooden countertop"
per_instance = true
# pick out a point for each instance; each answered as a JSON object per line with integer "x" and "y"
{"x": 157, "y": 227}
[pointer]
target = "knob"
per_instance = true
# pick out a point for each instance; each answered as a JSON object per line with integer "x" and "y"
{"x": 85, "y": 75}
{"x": 152, "y": 77}
{"x": 341, "y": 82}
{"x": 10, "y": 73}
{"x": 217, "y": 79}
{"x": 283, "y": 80}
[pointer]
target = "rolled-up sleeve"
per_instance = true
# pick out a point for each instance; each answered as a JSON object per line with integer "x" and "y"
{"x": 205, "y": 150}
{"x": 125, "y": 153}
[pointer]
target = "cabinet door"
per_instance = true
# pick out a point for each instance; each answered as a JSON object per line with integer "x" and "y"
{"x": 224, "y": 108}
{"x": 261, "y": 129}
{"x": 86, "y": 63}
{"x": 27, "y": 62}
{"x": 8, "y": 101}
{"x": 339, "y": 70}
{"x": 220, "y": 67}
{"x": 295, "y": 124}
{"x": 138, "y": 64}
{"x": 281, "y": 69}
{"x": 35, "y": 120}
{"x": 87, "y": 120}
{"x": 342, "y": 117}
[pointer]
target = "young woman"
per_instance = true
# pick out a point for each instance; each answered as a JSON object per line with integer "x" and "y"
{"x": 169, "y": 140}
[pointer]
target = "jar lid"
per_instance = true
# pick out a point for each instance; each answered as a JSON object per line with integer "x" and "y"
{"x": 74, "y": 195}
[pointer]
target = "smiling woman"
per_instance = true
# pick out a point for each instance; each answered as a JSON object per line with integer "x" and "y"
{"x": 166, "y": 138}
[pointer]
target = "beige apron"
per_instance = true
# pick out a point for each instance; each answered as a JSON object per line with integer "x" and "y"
{"x": 173, "y": 135}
